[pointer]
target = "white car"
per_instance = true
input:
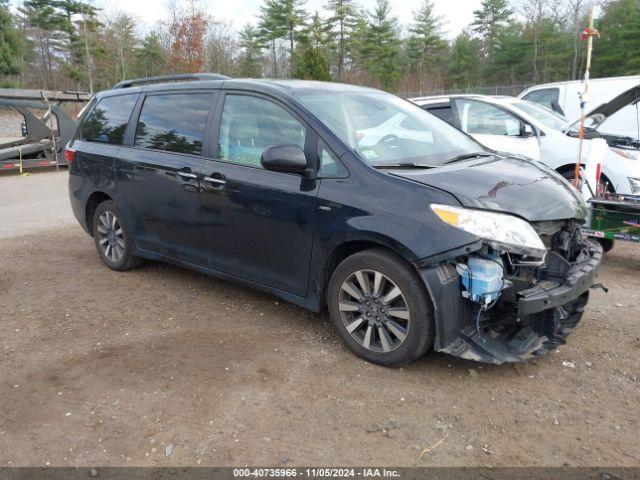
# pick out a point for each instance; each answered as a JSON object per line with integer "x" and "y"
{"x": 513, "y": 125}
{"x": 564, "y": 98}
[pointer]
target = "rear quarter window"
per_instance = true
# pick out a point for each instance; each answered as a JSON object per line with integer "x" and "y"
{"x": 108, "y": 120}
{"x": 546, "y": 97}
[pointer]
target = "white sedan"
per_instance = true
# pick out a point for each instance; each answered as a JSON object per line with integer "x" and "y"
{"x": 509, "y": 124}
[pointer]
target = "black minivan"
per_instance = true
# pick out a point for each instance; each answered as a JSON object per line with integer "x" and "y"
{"x": 409, "y": 232}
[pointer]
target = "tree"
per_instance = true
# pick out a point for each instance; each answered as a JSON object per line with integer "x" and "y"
{"x": 187, "y": 29}
{"x": 425, "y": 45}
{"x": 271, "y": 29}
{"x": 616, "y": 52}
{"x": 380, "y": 48}
{"x": 250, "y": 62}
{"x": 464, "y": 66}
{"x": 12, "y": 43}
{"x": 120, "y": 35}
{"x": 221, "y": 48}
{"x": 310, "y": 61}
{"x": 343, "y": 19}
{"x": 150, "y": 57}
{"x": 488, "y": 21}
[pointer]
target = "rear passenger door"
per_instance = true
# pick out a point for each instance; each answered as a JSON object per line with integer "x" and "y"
{"x": 258, "y": 224}
{"x": 157, "y": 172}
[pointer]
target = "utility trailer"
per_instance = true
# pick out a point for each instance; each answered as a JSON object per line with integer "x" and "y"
{"x": 43, "y": 136}
{"x": 614, "y": 217}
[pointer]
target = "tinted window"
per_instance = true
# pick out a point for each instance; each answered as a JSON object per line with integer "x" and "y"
{"x": 174, "y": 122}
{"x": 250, "y": 125}
{"x": 444, "y": 113}
{"x": 108, "y": 121}
{"x": 547, "y": 97}
{"x": 330, "y": 166}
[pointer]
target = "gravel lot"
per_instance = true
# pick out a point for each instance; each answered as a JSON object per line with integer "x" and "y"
{"x": 164, "y": 366}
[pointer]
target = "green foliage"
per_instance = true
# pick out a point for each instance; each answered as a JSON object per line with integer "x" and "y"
{"x": 426, "y": 47}
{"x": 465, "y": 65}
{"x": 379, "y": 48}
{"x": 149, "y": 57}
{"x": 12, "y": 44}
{"x": 617, "y": 52}
{"x": 250, "y": 41}
{"x": 488, "y": 21}
{"x": 342, "y": 22}
{"x": 310, "y": 61}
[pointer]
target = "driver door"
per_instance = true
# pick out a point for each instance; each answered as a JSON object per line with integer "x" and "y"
{"x": 495, "y": 128}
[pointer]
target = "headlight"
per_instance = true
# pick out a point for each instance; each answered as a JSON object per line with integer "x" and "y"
{"x": 623, "y": 153}
{"x": 635, "y": 185}
{"x": 505, "y": 231}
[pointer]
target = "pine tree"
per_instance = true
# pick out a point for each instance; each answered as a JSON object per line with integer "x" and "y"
{"x": 271, "y": 30}
{"x": 12, "y": 43}
{"x": 343, "y": 19}
{"x": 250, "y": 61}
{"x": 310, "y": 60}
{"x": 617, "y": 51}
{"x": 380, "y": 48}
{"x": 425, "y": 46}
{"x": 150, "y": 57}
{"x": 464, "y": 67}
{"x": 488, "y": 21}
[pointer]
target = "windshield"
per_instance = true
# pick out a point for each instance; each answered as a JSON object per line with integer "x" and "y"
{"x": 543, "y": 115}
{"x": 385, "y": 129}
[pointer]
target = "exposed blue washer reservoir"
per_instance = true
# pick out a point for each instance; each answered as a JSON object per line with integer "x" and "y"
{"x": 481, "y": 279}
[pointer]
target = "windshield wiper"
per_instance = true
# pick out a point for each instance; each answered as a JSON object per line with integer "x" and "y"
{"x": 467, "y": 156}
{"x": 401, "y": 165}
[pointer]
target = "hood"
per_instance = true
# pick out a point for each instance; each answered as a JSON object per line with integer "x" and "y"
{"x": 505, "y": 184}
{"x": 628, "y": 97}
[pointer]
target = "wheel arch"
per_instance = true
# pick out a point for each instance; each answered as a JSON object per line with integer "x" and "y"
{"x": 95, "y": 199}
{"x": 570, "y": 168}
{"x": 347, "y": 248}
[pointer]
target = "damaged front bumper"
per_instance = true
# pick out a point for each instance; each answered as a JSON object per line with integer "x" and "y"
{"x": 534, "y": 314}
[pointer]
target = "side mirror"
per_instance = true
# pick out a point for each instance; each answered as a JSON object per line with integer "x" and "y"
{"x": 284, "y": 159}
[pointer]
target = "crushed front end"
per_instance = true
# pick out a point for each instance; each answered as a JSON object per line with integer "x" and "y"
{"x": 494, "y": 305}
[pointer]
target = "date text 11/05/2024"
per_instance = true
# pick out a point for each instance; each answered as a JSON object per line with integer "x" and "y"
{"x": 316, "y": 472}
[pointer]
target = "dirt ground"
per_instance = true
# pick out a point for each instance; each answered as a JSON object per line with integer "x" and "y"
{"x": 163, "y": 366}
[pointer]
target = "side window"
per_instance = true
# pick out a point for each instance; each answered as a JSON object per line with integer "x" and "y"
{"x": 482, "y": 118}
{"x": 174, "y": 122}
{"x": 329, "y": 165}
{"x": 547, "y": 97}
{"x": 107, "y": 122}
{"x": 250, "y": 125}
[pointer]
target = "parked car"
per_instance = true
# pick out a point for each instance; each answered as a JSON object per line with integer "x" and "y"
{"x": 564, "y": 98}
{"x": 414, "y": 242}
{"x": 517, "y": 126}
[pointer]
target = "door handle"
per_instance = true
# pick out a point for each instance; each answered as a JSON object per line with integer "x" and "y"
{"x": 187, "y": 175}
{"x": 215, "y": 180}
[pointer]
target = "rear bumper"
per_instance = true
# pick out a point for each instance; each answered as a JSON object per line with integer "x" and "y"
{"x": 526, "y": 323}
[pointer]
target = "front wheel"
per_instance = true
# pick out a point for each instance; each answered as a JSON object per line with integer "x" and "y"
{"x": 111, "y": 238}
{"x": 380, "y": 308}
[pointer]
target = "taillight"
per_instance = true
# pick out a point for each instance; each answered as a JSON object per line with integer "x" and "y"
{"x": 69, "y": 155}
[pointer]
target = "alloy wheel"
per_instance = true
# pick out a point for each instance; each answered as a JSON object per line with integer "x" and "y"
{"x": 374, "y": 311}
{"x": 110, "y": 236}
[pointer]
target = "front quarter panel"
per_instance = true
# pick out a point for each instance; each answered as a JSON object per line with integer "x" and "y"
{"x": 373, "y": 206}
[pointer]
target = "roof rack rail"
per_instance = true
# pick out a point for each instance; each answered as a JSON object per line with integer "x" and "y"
{"x": 184, "y": 77}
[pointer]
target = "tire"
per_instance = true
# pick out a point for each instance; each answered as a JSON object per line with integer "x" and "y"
{"x": 401, "y": 326}
{"x": 607, "y": 244}
{"x": 112, "y": 240}
{"x": 570, "y": 174}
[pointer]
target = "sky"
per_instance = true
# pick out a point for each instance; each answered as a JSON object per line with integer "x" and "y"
{"x": 456, "y": 13}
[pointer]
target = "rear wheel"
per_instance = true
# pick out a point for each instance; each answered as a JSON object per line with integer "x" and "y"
{"x": 380, "y": 308}
{"x": 607, "y": 244}
{"x": 605, "y": 184}
{"x": 111, "y": 238}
